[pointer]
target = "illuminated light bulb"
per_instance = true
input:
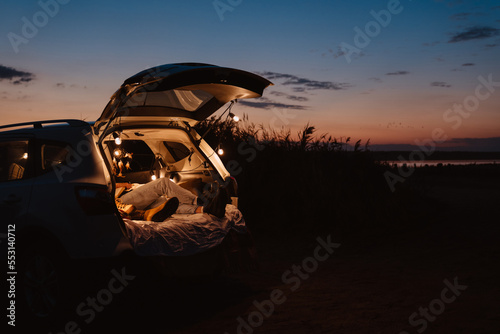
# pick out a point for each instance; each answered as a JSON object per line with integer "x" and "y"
{"x": 25, "y": 156}
{"x": 220, "y": 151}
{"x": 118, "y": 140}
{"x": 153, "y": 177}
{"x": 118, "y": 152}
{"x": 235, "y": 117}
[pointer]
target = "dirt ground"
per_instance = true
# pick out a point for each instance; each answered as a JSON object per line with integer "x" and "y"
{"x": 440, "y": 275}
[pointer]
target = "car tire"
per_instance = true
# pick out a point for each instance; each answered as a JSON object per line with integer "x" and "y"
{"x": 43, "y": 286}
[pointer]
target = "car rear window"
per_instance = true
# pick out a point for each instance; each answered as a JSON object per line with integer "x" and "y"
{"x": 13, "y": 160}
{"x": 189, "y": 100}
{"x": 53, "y": 154}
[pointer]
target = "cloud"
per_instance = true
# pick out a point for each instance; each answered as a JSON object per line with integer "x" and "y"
{"x": 477, "y": 32}
{"x": 289, "y": 97}
{"x": 468, "y": 64}
{"x": 265, "y": 103}
{"x": 375, "y": 79}
{"x": 440, "y": 84}
{"x": 14, "y": 96}
{"x": 398, "y": 125}
{"x": 63, "y": 85}
{"x": 16, "y": 77}
{"x": 337, "y": 54}
{"x": 398, "y": 73}
{"x": 343, "y": 52}
{"x": 302, "y": 84}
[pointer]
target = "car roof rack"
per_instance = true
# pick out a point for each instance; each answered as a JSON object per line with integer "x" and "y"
{"x": 39, "y": 124}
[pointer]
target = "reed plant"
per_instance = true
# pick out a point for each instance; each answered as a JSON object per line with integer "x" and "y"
{"x": 305, "y": 182}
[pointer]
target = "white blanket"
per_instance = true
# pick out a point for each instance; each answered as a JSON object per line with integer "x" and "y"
{"x": 183, "y": 234}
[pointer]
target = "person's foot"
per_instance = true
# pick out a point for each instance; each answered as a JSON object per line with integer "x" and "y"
{"x": 126, "y": 209}
{"x": 163, "y": 211}
{"x": 217, "y": 205}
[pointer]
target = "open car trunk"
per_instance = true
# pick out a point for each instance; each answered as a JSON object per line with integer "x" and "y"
{"x": 185, "y": 92}
{"x": 146, "y": 133}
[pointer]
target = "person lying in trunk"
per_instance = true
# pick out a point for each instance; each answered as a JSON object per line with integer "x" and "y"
{"x": 159, "y": 199}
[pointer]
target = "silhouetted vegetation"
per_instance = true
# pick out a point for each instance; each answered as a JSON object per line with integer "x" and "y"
{"x": 308, "y": 183}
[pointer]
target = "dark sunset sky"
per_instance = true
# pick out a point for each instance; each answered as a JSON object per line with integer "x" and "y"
{"x": 389, "y": 71}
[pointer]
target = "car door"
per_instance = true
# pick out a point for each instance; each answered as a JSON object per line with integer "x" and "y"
{"x": 16, "y": 179}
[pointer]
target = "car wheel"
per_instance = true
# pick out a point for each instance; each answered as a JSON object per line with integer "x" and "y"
{"x": 42, "y": 285}
{"x": 40, "y": 280}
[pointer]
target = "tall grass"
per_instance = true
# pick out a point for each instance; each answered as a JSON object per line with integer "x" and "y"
{"x": 304, "y": 182}
{"x": 229, "y": 132}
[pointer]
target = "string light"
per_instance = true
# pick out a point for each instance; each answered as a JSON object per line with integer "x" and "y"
{"x": 234, "y": 117}
{"x": 220, "y": 151}
{"x": 118, "y": 140}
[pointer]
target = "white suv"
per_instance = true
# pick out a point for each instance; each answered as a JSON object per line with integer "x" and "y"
{"x": 58, "y": 178}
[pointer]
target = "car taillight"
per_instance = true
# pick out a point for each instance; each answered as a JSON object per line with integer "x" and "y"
{"x": 95, "y": 200}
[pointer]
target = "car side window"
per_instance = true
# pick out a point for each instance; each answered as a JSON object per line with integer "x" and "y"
{"x": 52, "y": 154}
{"x": 13, "y": 160}
{"x": 131, "y": 156}
{"x": 178, "y": 151}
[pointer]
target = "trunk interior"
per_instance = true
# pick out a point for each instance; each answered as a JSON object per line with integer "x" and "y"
{"x": 142, "y": 154}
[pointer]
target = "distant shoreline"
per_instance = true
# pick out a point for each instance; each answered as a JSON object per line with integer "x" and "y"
{"x": 396, "y": 156}
{"x": 423, "y": 163}
{"x": 437, "y": 158}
